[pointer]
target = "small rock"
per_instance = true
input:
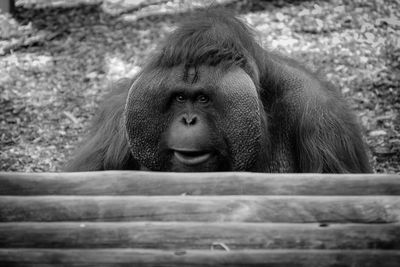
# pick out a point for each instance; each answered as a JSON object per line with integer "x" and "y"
{"x": 377, "y": 133}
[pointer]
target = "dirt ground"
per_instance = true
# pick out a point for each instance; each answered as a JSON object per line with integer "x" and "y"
{"x": 58, "y": 59}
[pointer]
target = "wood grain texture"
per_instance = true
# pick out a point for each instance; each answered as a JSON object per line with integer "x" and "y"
{"x": 223, "y": 183}
{"x": 192, "y": 235}
{"x": 293, "y": 209}
{"x": 180, "y": 219}
{"x": 148, "y": 257}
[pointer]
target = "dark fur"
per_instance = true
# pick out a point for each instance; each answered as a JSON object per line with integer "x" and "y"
{"x": 310, "y": 128}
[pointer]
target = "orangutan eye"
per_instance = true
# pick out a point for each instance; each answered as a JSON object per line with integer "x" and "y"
{"x": 203, "y": 99}
{"x": 180, "y": 98}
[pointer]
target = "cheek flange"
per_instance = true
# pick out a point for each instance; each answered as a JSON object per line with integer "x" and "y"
{"x": 243, "y": 126}
{"x": 145, "y": 123}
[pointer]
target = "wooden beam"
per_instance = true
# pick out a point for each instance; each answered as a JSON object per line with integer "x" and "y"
{"x": 147, "y": 257}
{"x": 192, "y": 235}
{"x": 293, "y": 209}
{"x": 7, "y": 6}
{"x": 223, "y": 183}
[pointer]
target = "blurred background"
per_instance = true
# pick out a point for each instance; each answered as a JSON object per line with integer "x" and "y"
{"x": 58, "y": 59}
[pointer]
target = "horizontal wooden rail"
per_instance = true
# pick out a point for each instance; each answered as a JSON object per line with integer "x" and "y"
{"x": 148, "y": 257}
{"x": 294, "y": 209}
{"x": 136, "y": 218}
{"x": 229, "y": 183}
{"x": 193, "y": 235}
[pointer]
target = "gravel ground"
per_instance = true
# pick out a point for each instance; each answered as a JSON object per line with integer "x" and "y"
{"x": 58, "y": 59}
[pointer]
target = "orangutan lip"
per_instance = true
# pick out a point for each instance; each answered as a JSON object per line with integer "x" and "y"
{"x": 191, "y": 157}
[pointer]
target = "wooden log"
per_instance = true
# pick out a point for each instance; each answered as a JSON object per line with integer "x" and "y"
{"x": 7, "y": 6}
{"x": 293, "y": 209}
{"x": 225, "y": 183}
{"x": 192, "y": 235}
{"x": 147, "y": 257}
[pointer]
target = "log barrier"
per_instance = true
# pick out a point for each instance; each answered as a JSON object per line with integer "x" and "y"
{"x": 136, "y": 218}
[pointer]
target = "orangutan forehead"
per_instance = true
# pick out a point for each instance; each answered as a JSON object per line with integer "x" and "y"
{"x": 191, "y": 74}
{"x": 207, "y": 76}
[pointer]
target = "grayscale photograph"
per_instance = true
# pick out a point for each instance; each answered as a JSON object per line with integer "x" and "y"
{"x": 200, "y": 133}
